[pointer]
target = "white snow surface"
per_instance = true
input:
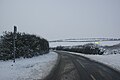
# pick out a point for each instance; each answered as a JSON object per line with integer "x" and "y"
{"x": 28, "y": 69}
{"x": 112, "y": 60}
{"x": 102, "y": 43}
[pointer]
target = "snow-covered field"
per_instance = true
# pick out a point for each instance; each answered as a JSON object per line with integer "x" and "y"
{"x": 102, "y": 43}
{"x": 28, "y": 69}
{"x": 112, "y": 60}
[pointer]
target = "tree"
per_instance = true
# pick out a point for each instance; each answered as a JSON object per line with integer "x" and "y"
{"x": 27, "y": 45}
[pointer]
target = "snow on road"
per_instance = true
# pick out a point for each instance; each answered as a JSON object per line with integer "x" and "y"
{"x": 28, "y": 69}
{"x": 112, "y": 60}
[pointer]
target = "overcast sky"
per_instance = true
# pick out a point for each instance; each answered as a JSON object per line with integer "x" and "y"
{"x": 60, "y": 19}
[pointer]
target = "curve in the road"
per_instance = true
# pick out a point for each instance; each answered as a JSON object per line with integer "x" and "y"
{"x": 74, "y": 67}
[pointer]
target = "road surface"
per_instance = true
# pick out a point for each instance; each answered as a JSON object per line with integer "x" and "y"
{"x": 74, "y": 67}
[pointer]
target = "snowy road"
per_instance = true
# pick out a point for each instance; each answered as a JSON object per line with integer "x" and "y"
{"x": 75, "y": 67}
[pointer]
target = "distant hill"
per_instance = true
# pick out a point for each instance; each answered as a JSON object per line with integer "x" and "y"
{"x": 113, "y": 46}
{"x": 86, "y": 40}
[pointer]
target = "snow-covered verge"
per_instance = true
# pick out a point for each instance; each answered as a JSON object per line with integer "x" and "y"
{"x": 28, "y": 69}
{"x": 112, "y": 60}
